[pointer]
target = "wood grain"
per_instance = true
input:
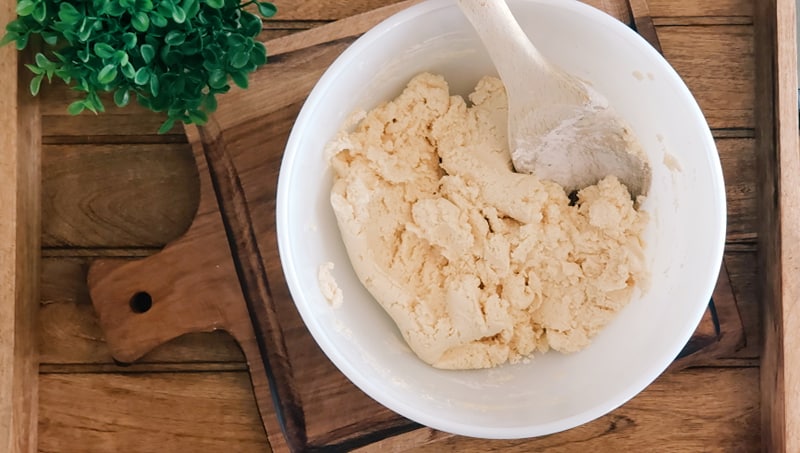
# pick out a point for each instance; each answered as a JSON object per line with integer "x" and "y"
{"x": 347, "y": 27}
{"x": 717, "y": 407}
{"x": 643, "y": 22}
{"x": 119, "y": 193}
{"x": 20, "y": 157}
{"x": 779, "y": 211}
{"x": 738, "y": 158}
{"x": 256, "y": 291}
{"x": 720, "y": 8}
{"x": 215, "y": 413}
{"x": 338, "y": 9}
{"x": 70, "y": 332}
{"x": 716, "y": 62}
{"x": 150, "y": 412}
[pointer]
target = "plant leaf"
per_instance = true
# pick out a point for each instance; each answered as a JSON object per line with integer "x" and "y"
{"x": 142, "y": 76}
{"x": 69, "y": 14}
{"x": 36, "y": 83}
{"x": 179, "y": 15}
{"x": 84, "y": 33}
{"x": 154, "y": 85}
{"x": 167, "y": 126}
{"x": 22, "y": 41}
{"x": 140, "y": 21}
{"x": 130, "y": 39}
{"x": 148, "y": 53}
{"x": 239, "y": 59}
{"x": 103, "y": 50}
{"x": 217, "y": 78}
{"x": 128, "y": 70}
{"x": 17, "y": 26}
{"x": 122, "y": 97}
{"x": 120, "y": 57}
{"x": 76, "y": 108}
{"x": 175, "y": 38}
{"x": 158, "y": 20}
{"x": 8, "y": 38}
{"x": 50, "y": 38}
{"x": 42, "y": 61}
{"x": 240, "y": 79}
{"x": 94, "y": 103}
{"x": 191, "y": 7}
{"x": 210, "y": 103}
{"x": 25, "y": 7}
{"x": 198, "y": 117}
{"x": 258, "y": 55}
{"x": 107, "y": 74}
{"x": 250, "y": 24}
{"x": 35, "y": 69}
{"x": 144, "y": 5}
{"x": 40, "y": 12}
{"x": 216, "y": 4}
{"x": 114, "y": 8}
{"x": 267, "y": 9}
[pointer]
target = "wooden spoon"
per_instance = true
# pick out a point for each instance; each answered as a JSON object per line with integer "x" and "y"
{"x": 559, "y": 128}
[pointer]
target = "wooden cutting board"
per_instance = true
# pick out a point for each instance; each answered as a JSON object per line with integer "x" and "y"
{"x": 225, "y": 273}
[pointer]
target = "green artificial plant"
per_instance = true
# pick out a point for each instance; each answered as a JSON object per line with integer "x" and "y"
{"x": 174, "y": 56}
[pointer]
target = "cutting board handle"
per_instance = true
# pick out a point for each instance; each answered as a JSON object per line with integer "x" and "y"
{"x": 144, "y": 304}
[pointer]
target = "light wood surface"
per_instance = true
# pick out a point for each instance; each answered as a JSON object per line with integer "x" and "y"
{"x": 116, "y": 189}
{"x": 19, "y": 253}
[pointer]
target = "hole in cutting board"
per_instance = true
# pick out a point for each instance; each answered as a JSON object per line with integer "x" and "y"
{"x": 141, "y": 302}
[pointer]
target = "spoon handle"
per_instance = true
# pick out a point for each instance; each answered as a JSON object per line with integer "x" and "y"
{"x": 518, "y": 62}
{"x": 508, "y": 45}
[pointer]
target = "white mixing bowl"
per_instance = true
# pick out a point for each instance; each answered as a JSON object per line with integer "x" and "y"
{"x": 553, "y": 392}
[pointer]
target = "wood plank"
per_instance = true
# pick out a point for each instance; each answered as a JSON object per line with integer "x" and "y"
{"x": 738, "y": 159}
{"x": 708, "y": 410}
{"x": 716, "y": 62}
{"x": 693, "y": 410}
{"x": 161, "y": 412}
{"x": 332, "y": 10}
{"x": 703, "y": 20}
{"x": 671, "y": 8}
{"x": 20, "y": 159}
{"x": 743, "y": 272}
{"x": 779, "y": 212}
{"x": 117, "y": 195}
{"x": 107, "y": 128}
{"x": 69, "y": 332}
{"x": 195, "y": 367}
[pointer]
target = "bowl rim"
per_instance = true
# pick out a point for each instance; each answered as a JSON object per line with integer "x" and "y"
{"x": 284, "y": 231}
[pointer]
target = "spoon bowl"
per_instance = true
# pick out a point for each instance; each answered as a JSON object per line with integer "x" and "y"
{"x": 559, "y": 128}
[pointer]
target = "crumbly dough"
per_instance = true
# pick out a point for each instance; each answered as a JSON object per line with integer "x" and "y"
{"x": 476, "y": 264}
{"x": 328, "y": 286}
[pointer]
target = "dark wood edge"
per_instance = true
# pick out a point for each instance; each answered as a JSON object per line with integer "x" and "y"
{"x": 255, "y": 287}
{"x": 643, "y": 22}
{"x": 779, "y": 214}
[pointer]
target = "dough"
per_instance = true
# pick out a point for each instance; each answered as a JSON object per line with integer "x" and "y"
{"x": 476, "y": 264}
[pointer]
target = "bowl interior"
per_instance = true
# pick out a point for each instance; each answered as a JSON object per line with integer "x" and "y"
{"x": 553, "y": 392}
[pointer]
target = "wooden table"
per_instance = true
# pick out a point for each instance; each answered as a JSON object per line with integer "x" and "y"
{"x": 111, "y": 187}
